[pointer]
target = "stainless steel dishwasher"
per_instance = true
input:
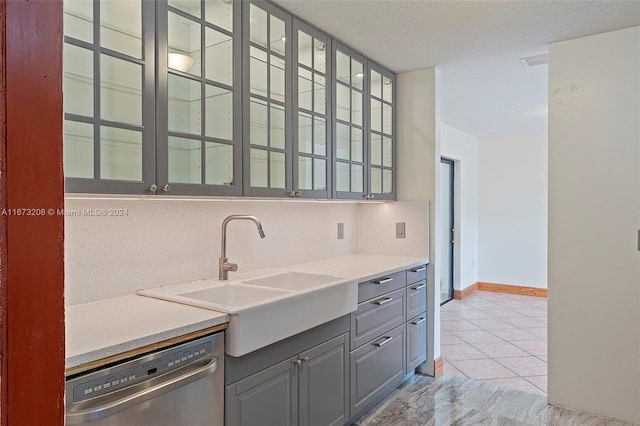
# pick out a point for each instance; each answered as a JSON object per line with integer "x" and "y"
{"x": 181, "y": 385}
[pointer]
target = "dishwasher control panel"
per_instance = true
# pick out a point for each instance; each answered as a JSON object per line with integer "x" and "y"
{"x": 140, "y": 370}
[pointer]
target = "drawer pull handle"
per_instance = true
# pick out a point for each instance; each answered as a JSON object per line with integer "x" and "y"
{"x": 383, "y": 301}
{"x": 421, "y": 320}
{"x": 419, "y": 269}
{"x": 386, "y": 340}
{"x": 383, "y": 281}
{"x": 420, "y": 287}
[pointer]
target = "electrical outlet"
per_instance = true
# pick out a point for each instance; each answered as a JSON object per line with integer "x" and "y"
{"x": 341, "y": 231}
{"x": 400, "y": 230}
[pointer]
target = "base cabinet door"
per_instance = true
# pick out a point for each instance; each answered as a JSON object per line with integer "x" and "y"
{"x": 266, "y": 398}
{"x": 377, "y": 367}
{"x": 324, "y": 375}
{"x": 416, "y": 341}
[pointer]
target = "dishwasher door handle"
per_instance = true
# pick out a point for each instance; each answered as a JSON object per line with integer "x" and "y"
{"x": 110, "y": 407}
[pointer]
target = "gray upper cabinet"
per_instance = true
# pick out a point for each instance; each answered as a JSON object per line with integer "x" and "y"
{"x": 152, "y": 95}
{"x": 311, "y": 112}
{"x": 349, "y": 90}
{"x": 109, "y": 96}
{"x": 199, "y": 129}
{"x": 221, "y": 97}
{"x": 381, "y": 138}
{"x": 364, "y": 128}
{"x": 267, "y": 100}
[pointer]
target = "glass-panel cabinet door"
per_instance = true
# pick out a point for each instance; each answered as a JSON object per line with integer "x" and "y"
{"x": 350, "y": 177}
{"x": 267, "y": 83}
{"x": 108, "y": 65}
{"x": 312, "y": 108}
{"x": 199, "y": 132}
{"x": 382, "y": 134}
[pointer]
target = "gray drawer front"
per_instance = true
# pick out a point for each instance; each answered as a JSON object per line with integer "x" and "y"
{"x": 416, "y": 298}
{"x": 377, "y": 316}
{"x": 416, "y": 274}
{"x": 416, "y": 341}
{"x": 377, "y": 369}
{"x": 381, "y": 285}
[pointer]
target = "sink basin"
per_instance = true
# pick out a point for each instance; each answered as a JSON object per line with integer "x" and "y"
{"x": 268, "y": 308}
{"x": 293, "y": 280}
{"x": 232, "y": 295}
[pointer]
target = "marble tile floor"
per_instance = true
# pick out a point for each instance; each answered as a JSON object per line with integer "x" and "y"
{"x": 451, "y": 400}
{"x": 498, "y": 338}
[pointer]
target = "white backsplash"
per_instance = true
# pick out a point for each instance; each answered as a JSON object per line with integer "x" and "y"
{"x": 378, "y": 228}
{"x": 162, "y": 242}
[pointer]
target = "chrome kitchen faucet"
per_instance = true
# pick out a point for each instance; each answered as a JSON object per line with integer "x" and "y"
{"x": 223, "y": 263}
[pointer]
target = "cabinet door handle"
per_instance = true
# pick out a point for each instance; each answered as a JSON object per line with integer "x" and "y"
{"x": 419, "y": 269}
{"x": 297, "y": 362}
{"x": 420, "y": 287}
{"x": 386, "y": 340}
{"x": 383, "y": 281}
{"x": 421, "y": 320}
{"x": 305, "y": 359}
{"x": 383, "y": 301}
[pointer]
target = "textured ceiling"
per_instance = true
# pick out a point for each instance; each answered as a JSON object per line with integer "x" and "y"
{"x": 476, "y": 44}
{"x": 405, "y": 35}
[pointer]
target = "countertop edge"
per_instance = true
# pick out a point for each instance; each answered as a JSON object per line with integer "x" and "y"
{"x": 124, "y": 347}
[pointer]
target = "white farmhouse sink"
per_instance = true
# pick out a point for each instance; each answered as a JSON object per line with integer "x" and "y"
{"x": 293, "y": 280}
{"x": 230, "y": 297}
{"x": 269, "y": 308}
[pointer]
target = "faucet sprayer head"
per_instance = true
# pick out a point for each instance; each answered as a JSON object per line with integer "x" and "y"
{"x": 260, "y": 231}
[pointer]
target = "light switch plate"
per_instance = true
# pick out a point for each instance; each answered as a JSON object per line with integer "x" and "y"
{"x": 400, "y": 230}
{"x": 341, "y": 231}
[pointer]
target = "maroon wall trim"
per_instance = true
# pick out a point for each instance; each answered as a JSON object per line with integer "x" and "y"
{"x": 34, "y": 278}
{"x": 3, "y": 223}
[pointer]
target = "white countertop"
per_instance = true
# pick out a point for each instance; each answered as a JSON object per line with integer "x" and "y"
{"x": 361, "y": 267}
{"x": 97, "y": 330}
{"x": 100, "y": 329}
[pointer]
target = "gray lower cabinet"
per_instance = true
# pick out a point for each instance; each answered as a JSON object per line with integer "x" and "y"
{"x": 376, "y": 316}
{"x": 352, "y": 362}
{"x": 377, "y": 368}
{"x": 269, "y": 397}
{"x": 416, "y": 298}
{"x": 416, "y": 274}
{"x": 309, "y": 389}
{"x": 416, "y": 341}
{"x": 324, "y": 381}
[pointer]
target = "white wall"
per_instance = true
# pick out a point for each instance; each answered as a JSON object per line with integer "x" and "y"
{"x": 418, "y": 146}
{"x": 594, "y": 198}
{"x": 512, "y": 214}
{"x": 463, "y": 148}
{"x": 377, "y": 233}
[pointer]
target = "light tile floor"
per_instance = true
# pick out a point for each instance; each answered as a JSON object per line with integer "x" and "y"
{"x": 498, "y": 338}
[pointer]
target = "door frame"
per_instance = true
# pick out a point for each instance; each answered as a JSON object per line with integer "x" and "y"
{"x": 32, "y": 243}
{"x": 452, "y": 231}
